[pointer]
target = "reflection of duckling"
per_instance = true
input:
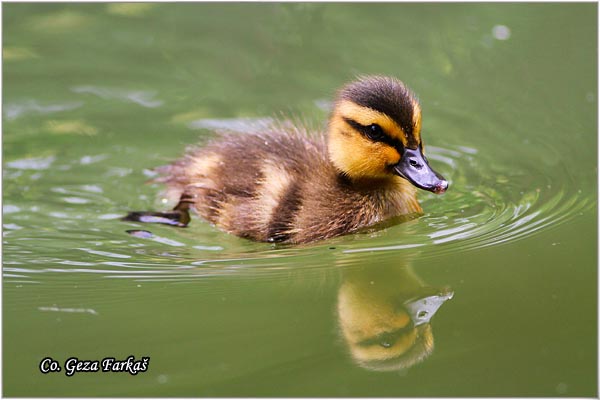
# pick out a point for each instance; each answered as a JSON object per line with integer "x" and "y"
{"x": 384, "y": 317}
{"x": 286, "y": 186}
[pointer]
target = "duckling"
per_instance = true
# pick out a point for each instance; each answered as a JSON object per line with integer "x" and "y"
{"x": 288, "y": 185}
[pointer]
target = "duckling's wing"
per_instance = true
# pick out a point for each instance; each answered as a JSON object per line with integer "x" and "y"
{"x": 248, "y": 184}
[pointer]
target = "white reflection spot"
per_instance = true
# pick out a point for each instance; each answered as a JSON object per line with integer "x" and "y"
{"x": 562, "y": 388}
{"x": 9, "y": 209}
{"x": 69, "y": 310}
{"x": 75, "y": 200}
{"x": 501, "y": 32}
{"x": 39, "y": 163}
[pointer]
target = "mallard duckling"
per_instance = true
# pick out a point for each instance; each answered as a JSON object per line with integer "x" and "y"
{"x": 287, "y": 185}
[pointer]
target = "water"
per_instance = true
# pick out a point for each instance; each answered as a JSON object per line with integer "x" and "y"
{"x": 95, "y": 95}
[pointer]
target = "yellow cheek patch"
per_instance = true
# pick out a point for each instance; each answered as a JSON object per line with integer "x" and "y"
{"x": 390, "y": 154}
{"x": 367, "y": 116}
{"x": 357, "y": 157}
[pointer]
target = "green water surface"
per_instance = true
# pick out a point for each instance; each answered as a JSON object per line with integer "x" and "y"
{"x": 96, "y": 95}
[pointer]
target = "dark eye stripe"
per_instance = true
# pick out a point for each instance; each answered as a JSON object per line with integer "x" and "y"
{"x": 387, "y": 337}
{"x": 366, "y": 131}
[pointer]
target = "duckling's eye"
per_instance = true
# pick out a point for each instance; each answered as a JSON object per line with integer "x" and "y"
{"x": 375, "y": 132}
{"x": 387, "y": 341}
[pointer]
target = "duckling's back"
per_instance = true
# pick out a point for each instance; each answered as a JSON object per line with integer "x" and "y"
{"x": 251, "y": 185}
{"x": 279, "y": 186}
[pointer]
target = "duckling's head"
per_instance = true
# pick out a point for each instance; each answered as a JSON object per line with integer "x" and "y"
{"x": 375, "y": 132}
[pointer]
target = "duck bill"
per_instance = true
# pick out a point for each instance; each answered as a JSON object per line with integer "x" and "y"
{"x": 421, "y": 309}
{"x": 413, "y": 167}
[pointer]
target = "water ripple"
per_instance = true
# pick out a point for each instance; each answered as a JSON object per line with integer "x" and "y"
{"x": 480, "y": 212}
{"x": 140, "y": 97}
{"x": 16, "y": 110}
